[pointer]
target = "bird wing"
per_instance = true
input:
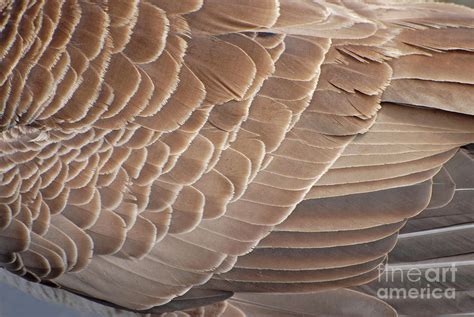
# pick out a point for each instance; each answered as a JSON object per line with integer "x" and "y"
{"x": 150, "y": 147}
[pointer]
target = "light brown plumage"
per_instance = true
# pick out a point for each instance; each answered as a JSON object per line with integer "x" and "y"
{"x": 153, "y": 149}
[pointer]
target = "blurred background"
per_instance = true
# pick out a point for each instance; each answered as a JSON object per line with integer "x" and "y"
{"x": 14, "y": 303}
{"x": 464, "y": 2}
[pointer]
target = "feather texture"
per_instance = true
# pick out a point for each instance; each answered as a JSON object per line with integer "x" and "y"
{"x": 160, "y": 155}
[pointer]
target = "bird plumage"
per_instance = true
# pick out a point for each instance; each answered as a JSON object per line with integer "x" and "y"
{"x": 154, "y": 149}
